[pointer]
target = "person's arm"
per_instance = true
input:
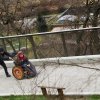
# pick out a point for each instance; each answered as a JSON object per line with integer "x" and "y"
{"x": 6, "y": 56}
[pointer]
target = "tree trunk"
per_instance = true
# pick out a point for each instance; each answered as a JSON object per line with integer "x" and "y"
{"x": 30, "y": 38}
{"x": 94, "y": 33}
{"x": 10, "y": 43}
{"x": 64, "y": 45}
{"x": 80, "y": 36}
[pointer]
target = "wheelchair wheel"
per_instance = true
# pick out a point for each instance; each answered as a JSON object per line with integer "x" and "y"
{"x": 18, "y": 72}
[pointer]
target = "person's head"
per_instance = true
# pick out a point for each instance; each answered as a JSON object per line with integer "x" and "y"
{"x": 1, "y": 50}
{"x": 20, "y": 55}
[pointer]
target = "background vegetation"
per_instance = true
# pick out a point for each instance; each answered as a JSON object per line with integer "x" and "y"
{"x": 19, "y": 17}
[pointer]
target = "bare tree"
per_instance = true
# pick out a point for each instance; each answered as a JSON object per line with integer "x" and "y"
{"x": 94, "y": 42}
{"x": 10, "y": 16}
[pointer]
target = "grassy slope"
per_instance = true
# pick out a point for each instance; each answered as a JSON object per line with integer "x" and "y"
{"x": 22, "y": 98}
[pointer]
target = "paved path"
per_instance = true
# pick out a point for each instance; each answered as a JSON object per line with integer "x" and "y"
{"x": 75, "y": 79}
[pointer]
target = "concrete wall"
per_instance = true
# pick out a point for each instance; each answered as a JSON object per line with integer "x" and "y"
{"x": 62, "y": 60}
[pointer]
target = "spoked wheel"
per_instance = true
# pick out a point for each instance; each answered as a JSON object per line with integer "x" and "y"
{"x": 18, "y": 72}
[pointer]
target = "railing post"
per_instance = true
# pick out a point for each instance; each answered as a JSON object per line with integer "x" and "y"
{"x": 64, "y": 45}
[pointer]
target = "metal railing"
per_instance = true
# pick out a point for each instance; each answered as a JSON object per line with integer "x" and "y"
{"x": 52, "y": 44}
{"x": 47, "y": 33}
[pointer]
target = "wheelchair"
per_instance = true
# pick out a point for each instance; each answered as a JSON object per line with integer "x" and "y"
{"x": 21, "y": 73}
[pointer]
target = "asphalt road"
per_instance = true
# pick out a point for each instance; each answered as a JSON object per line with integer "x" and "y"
{"x": 75, "y": 80}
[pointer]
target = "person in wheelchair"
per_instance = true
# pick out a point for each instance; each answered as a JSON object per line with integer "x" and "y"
{"x": 23, "y": 61}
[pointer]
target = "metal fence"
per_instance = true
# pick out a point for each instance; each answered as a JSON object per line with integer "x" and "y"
{"x": 51, "y": 44}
